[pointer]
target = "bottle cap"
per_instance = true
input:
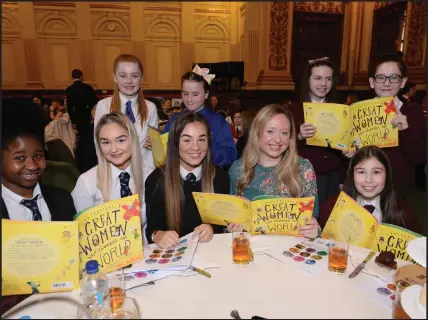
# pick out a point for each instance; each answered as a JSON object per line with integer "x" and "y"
{"x": 92, "y": 266}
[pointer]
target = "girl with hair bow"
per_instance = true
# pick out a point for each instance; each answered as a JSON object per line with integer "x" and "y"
{"x": 195, "y": 89}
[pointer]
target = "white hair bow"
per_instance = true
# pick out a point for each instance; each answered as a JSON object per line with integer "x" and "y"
{"x": 204, "y": 72}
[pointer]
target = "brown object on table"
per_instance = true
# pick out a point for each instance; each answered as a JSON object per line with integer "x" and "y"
{"x": 386, "y": 259}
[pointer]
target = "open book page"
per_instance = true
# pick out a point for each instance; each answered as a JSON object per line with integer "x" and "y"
{"x": 265, "y": 215}
{"x": 371, "y": 123}
{"x": 111, "y": 234}
{"x": 349, "y": 220}
{"x": 280, "y": 215}
{"x": 39, "y": 257}
{"x": 222, "y": 209}
{"x": 333, "y": 123}
{"x": 159, "y": 143}
{"x": 395, "y": 239}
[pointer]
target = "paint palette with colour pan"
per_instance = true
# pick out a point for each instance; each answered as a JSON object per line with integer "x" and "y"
{"x": 171, "y": 259}
{"x": 310, "y": 255}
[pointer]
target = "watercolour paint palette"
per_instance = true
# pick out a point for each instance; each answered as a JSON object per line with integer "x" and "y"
{"x": 310, "y": 255}
{"x": 172, "y": 259}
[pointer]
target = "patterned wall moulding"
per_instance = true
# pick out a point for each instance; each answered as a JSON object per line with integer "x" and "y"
{"x": 110, "y": 25}
{"x": 9, "y": 24}
{"x": 320, "y": 6}
{"x": 416, "y": 35}
{"x": 382, "y": 4}
{"x": 56, "y": 24}
{"x": 278, "y": 33}
{"x": 162, "y": 27}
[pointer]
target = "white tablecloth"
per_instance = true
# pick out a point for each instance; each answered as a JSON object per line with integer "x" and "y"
{"x": 267, "y": 288}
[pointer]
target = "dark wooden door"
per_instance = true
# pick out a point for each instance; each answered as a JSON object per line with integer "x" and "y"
{"x": 315, "y": 35}
{"x": 386, "y": 30}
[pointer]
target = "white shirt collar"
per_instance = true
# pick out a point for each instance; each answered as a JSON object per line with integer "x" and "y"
{"x": 319, "y": 101}
{"x": 124, "y": 99}
{"x": 398, "y": 103}
{"x": 16, "y": 197}
{"x": 377, "y": 213}
{"x": 197, "y": 172}
{"x": 115, "y": 171}
{"x": 199, "y": 109}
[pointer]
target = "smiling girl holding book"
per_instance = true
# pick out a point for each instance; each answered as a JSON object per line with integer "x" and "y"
{"x": 369, "y": 182}
{"x": 319, "y": 85}
{"x": 270, "y": 164}
{"x": 171, "y": 208}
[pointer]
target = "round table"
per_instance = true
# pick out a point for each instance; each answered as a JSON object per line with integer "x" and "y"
{"x": 266, "y": 288}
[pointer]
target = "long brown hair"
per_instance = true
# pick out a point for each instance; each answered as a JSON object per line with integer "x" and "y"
{"x": 287, "y": 170}
{"x": 388, "y": 202}
{"x": 304, "y": 85}
{"x": 174, "y": 194}
{"x": 115, "y": 101}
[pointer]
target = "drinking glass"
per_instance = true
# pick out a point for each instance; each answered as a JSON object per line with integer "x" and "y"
{"x": 119, "y": 308}
{"x": 117, "y": 284}
{"x": 338, "y": 255}
{"x": 398, "y": 311}
{"x": 241, "y": 250}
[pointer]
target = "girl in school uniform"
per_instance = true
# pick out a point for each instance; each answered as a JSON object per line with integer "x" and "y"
{"x": 369, "y": 182}
{"x": 171, "y": 209}
{"x": 195, "y": 88}
{"x": 387, "y": 76}
{"x": 319, "y": 85}
{"x": 119, "y": 172}
{"x": 128, "y": 98}
{"x": 270, "y": 164}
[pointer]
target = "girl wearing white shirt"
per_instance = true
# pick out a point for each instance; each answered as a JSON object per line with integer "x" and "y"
{"x": 128, "y": 98}
{"x": 319, "y": 85}
{"x": 119, "y": 170}
{"x": 369, "y": 182}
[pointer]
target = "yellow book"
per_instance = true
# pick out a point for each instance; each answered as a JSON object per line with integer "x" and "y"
{"x": 39, "y": 257}
{"x": 263, "y": 215}
{"x": 349, "y": 220}
{"x": 347, "y": 128}
{"x": 111, "y": 234}
{"x": 159, "y": 143}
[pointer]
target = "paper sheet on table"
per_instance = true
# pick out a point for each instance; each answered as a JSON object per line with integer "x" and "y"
{"x": 309, "y": 255}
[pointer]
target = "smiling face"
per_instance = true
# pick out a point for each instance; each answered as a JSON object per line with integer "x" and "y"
{"x": 320, "y": 82}
{"x": 23, "y": 164}
{"x": 274, "y": 140}
{"x": 115, "y": 145}
{"x": 193, "y": 94}
{"x": 193, "y": 145}
{"x": 128, "y": 77}
{"x": 386, "y": 89}
{"x": 369, "y": 178}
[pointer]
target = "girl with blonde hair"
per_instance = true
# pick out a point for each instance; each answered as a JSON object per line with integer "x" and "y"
{"x": 128, "y": 98}
{"x": 119, "y": 171}
{"x": 270, "y": 164}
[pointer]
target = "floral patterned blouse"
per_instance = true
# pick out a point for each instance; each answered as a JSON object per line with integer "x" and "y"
{"x": 264, "y": 182}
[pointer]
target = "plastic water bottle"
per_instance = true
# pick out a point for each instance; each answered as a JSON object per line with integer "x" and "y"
{"x": 94, "y": 287}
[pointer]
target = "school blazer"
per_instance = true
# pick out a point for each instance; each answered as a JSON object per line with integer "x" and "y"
{"x": 59, "y": 202}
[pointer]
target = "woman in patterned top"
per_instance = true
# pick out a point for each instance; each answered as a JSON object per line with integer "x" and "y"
{"x": 270, "y": 164}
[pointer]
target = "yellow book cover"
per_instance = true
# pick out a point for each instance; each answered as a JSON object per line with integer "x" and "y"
{"x": 349, "y": 220}
{"x": 159, "y": 143}
{"x": 111, "y": 234}
{"x": 39, "y": 257}
{"x": 347, "y": 128}
{"x": 263, "y": 215}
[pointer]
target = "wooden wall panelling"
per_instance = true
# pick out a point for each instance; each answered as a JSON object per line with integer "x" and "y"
{"x": 32, "y": 59}
{"x": 415, "y": 41}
